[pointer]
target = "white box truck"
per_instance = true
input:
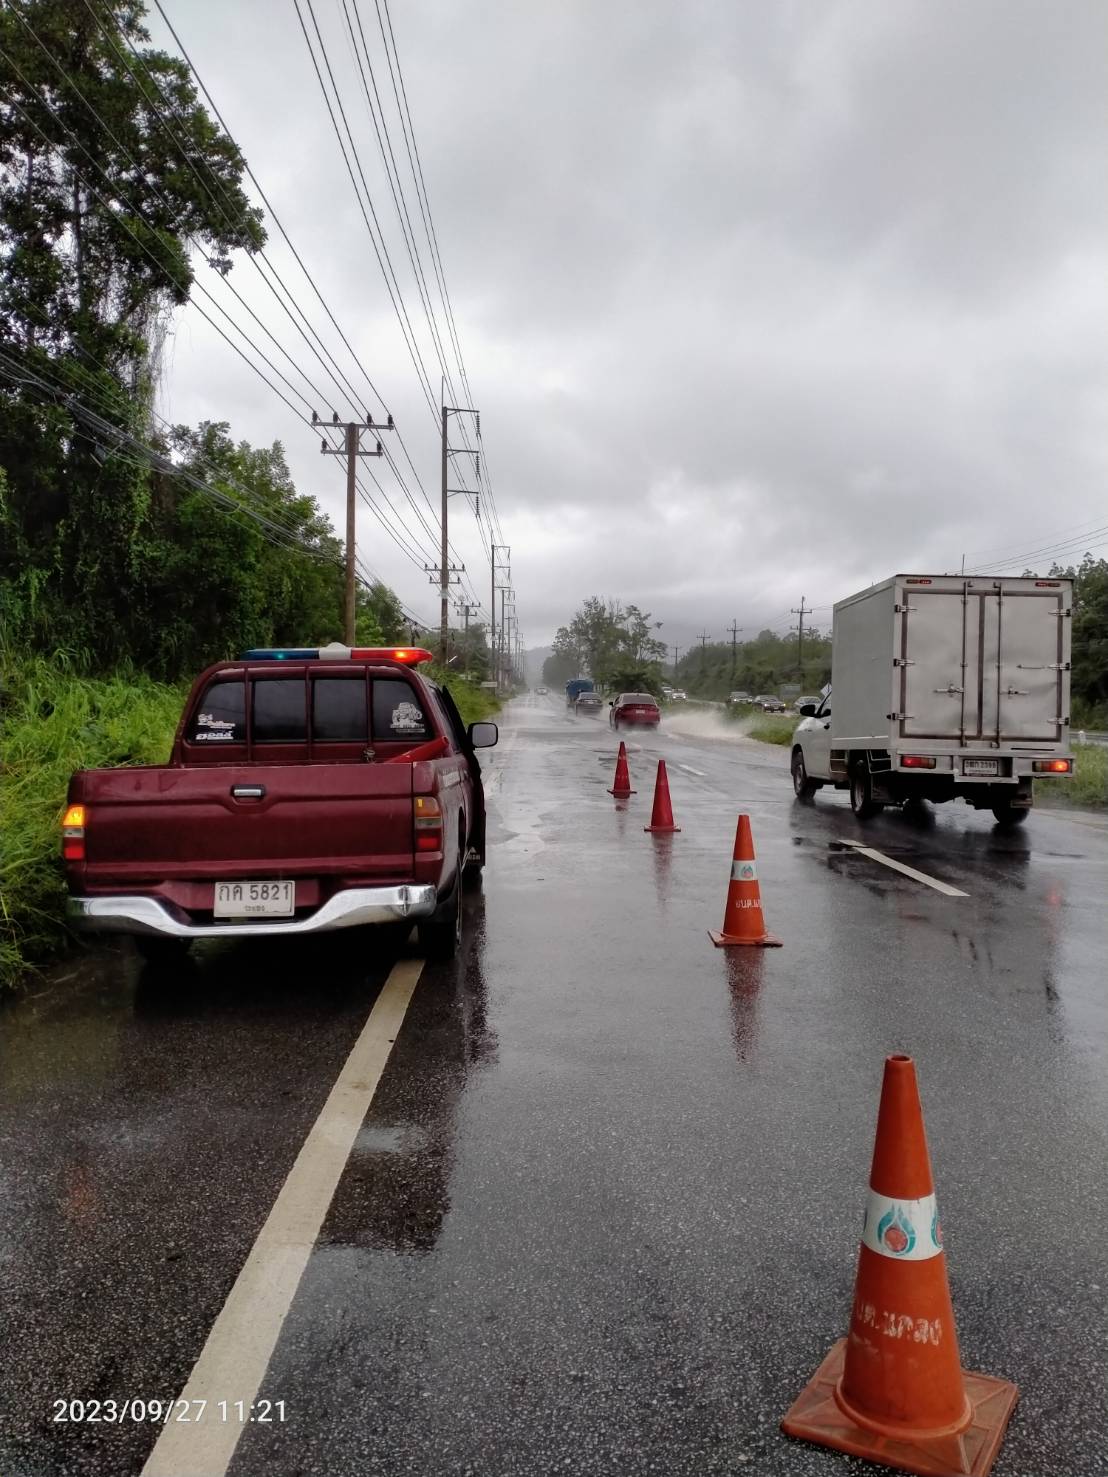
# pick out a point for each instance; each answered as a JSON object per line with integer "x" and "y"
{"x": 943, "y": 685}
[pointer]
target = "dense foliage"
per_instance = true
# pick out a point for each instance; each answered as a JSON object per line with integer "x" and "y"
{"x": 123, "y": 539}
{"x": 606, "y": 640}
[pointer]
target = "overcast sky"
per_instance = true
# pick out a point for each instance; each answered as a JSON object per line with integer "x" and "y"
{"x": 758, "y": 299}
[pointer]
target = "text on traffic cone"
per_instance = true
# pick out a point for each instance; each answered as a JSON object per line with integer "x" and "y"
{"x": 621, "y": 787}
{"x": 742, "y": 917}
{"x": 661, "y": 818}
{"x": 894, "y": 1390}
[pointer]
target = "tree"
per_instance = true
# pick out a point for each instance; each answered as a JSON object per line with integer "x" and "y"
{"x": 111, "y": 173}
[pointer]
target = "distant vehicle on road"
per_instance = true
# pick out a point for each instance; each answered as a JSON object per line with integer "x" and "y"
{"x": 575, "y": 687}
{"x": 812, "y": 698}
{"x": 943, "y": 686}
{"x": 678, "y": 695}
{"x": 589, "y": 702}
{"x": 541, "y": 691}
{"x": 738, "y": 699}
{"x": 766, "y": 703}
{"x": 309, "y": 789}
{"x": 634, "y": 709}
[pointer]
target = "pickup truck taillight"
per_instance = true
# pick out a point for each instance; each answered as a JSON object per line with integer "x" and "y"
{"x": 73, "y": 834}
{"x": 428, "y": 823}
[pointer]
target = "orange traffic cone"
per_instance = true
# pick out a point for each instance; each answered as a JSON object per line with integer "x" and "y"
{"x": 894, "y": 1390}
{"x": 621, "y": 787}
{"x": 742, "y": 918}
{"x": 661, "y": 818}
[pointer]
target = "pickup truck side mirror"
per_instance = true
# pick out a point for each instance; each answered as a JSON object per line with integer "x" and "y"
{"x": 807, "y": 710}
{"x": 483, "y": 735}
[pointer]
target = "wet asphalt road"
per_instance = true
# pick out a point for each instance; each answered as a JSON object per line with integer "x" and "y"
{"x": 602, "y": 1215}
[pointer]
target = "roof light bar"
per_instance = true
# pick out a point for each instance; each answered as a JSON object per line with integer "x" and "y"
{"x": 410, "y": 656}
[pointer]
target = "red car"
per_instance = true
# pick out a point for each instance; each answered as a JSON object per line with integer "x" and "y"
{"x": 635, "y": 709}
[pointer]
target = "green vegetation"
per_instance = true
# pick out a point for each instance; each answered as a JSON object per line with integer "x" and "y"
{"x": 612, "y": 644}
{"x": 51, "y": 723}
{"x": 767, "y": 728}
{"x": 1088, "y": 789}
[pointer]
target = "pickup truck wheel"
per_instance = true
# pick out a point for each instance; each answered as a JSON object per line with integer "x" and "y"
{"x": 862, "y": 802}
{"x": 157, "y": 950}
{"x": 804, "y": 787}
{"x": 1010, "y": 815}
{"x": 441, "y": 935}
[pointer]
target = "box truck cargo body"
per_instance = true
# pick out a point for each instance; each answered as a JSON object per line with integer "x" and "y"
{"x": 945, "y": 686}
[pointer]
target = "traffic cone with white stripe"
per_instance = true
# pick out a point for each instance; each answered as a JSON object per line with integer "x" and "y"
{"x": 621, "y": 786}
{"x": 742, "y": 918}
{"x": 893, "y": 1390}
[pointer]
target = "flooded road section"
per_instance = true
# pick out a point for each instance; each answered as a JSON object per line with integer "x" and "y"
{"x": 597, "y": 1186}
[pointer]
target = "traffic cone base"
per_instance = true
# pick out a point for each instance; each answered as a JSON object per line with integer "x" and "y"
{"x": 819, "y": 1415}
{"x": 729, "y": 941}
{"x": 661, "y": 819}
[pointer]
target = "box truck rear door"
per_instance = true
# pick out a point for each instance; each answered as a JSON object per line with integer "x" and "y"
{"x": 1028, "y": 699}
{"x": 933, "y": 650}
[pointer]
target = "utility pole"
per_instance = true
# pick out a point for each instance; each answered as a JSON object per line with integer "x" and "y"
{"x": 446, "y": 570}
{"x": 703, "y": 638}
{"x": 351, "y": 450}
{"x": 676, "y": 654}
{"x": 734, "y": 628}
{"x": 498, "y": 565}
{"x": 802, "y": 612}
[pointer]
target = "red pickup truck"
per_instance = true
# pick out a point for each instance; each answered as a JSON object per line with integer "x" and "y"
{"x": 308, "y": 790}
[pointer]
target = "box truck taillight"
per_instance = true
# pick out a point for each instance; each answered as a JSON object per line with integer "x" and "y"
{"x": 428, "y": 823}
{"x": 917, "y": 761}
{"x": 1052, "y": 766}
{"x": 73, "y": 834}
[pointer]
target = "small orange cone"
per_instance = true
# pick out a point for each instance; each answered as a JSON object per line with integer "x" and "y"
{"x": 742, "y": 918}
{"x": 661, "y": 818}
{"x": 621, "y": 787}
{"x": 894, "y": 1390}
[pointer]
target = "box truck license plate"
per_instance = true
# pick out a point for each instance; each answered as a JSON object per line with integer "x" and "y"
{"x": 254, "y": 899}
{"x": 979, "y": 766}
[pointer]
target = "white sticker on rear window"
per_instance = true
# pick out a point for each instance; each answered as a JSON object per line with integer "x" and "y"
{"x": 406, "y": 717}
{"x": 205, "y": 720}
{"x": 209, "y": 736}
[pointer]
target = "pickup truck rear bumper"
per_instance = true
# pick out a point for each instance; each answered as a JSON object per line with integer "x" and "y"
{"x": 349, "y": 909}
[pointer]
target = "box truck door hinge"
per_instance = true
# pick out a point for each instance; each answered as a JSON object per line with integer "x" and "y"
{"x": 903, "y": 661}
{"x": 1015, "y": 692}
{"x": 1057, "y": 613}
{"x": 904, "y": 609}
{"x": 899, "y": 717}
{"x": 949, "y": 691}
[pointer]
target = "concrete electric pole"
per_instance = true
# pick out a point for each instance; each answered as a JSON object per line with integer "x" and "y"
{"x": 802, "y": 612}
{"x": 446, "y": 570}
{"x": 351, "y": 450}
{"x": 734, "y": 628}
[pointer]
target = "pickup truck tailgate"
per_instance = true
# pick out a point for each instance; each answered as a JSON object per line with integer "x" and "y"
{"x": 249, "y": 821}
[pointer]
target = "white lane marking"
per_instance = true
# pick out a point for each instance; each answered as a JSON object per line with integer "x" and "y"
{"x": 888, "y": 861}
{"x": 233, "y": 1362}
{"x": 690, "y": 770}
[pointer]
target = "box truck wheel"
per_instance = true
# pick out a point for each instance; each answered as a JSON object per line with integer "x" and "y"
{"x": 1008, "y": 814}
{"x": 805, "y": 788}
{"x": 862, "y": 802}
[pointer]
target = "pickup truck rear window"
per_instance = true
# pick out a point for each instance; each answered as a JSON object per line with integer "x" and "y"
{"x": 397, "y": 711}
{"x": 279, "y": 710}
{"x": 221, "y": 714}
{"x": 339, "y": 710}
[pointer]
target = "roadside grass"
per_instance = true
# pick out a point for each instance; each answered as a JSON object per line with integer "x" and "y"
{"x": 51, "y": 723}
{"x": 474, "y": 703}
{"x": 1088, "y": 789}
